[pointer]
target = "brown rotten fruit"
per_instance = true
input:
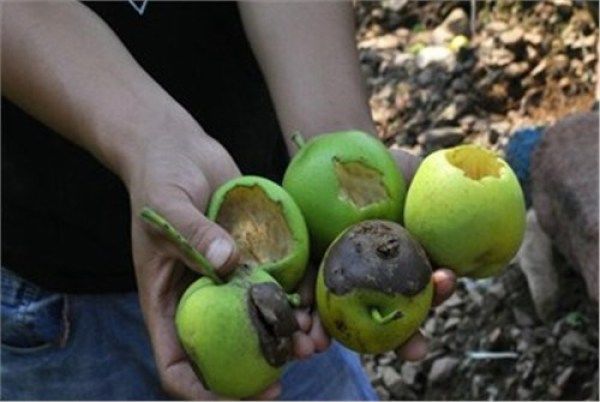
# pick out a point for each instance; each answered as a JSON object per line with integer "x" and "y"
{"x": 374, "y": 287}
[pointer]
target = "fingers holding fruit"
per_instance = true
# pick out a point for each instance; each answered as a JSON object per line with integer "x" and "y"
{"x": 239, "y": 331}
{"x": 375, "y": 284}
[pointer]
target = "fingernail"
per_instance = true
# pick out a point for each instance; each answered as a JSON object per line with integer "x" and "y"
{"x": 219, "y": 252}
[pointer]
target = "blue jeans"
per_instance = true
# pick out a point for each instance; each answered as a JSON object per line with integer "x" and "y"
{"x": 57, "y": 346}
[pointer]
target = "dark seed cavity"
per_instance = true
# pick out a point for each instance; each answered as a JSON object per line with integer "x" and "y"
{"x": 377, "y": 255}
{"x": 273, "y": 318}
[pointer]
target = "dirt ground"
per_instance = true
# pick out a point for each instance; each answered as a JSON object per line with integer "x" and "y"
{"x": 445, "y": 73}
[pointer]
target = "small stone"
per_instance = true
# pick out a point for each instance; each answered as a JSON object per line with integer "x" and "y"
{"x": 515, "y": 332}
{"x": 492, "y": 392}
{"x": 584, "y": 42}
{"x": 496, "y": 26}
{"x": 497, "y": 289}
{"x": 522, "y": 345}
{"x": 461, "y": 84}
{"x": 500, "y": 57}
{"x": 532, "y": 54}
{"x": 395, "y": 5}
{"x": 562, "y": 379}
{"x": 425, "y": 77}
{"x": 542, "y": 333}
{"x": 560, "y": 62}
{"x": 388, "y": 41}
{"x": 512, "y": 36}
{"x": 400, "y": 59}
{"x": 430, "y": 326}
{"x": 476, "y": 385}
{"x": 494, "y": 336}
{"x": 456, "y": 23}
{"x": 564, "y": 6}
{"x": 501, "y": 128}
{"x": 554, "y": 391}
{"x": 573, "y": 341}
{"x": 523, "y": 393}
{"x": 535, "y": 37}
{"x": 369, "y": 366}
{"x": 451, "y": 323}
{"x": 539, "y": 68}
{"x": 386, "y": 359}
{"x": 401, "y": 391}
{"x": 453, "y": 301}
{"x": 476, "y": 297}
{"x": 442, "y": 369}
{"x": 589, "y": 58}
{"x": 528, "y": 367}
{"x": 390, "y": 376}
{"x": 409, "y": 372}
{"x": 383, "y": 393}
{"x": 557, "y": 328}
{"x": 438, "y": 55}
{"x": 522, "y": 318}
{"x": 517, "y": 69}
{"x": 450, "y": 113}
{"x": 443, "y": 137}
{"x": 467, "y": 122}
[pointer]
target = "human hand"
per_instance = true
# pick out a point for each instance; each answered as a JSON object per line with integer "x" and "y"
{"x": 175, "y": 173}
{"x": 444, "y": 280}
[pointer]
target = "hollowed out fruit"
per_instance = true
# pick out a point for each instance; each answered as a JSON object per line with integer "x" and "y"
{"x": 339, "y": 179}
{"x": 475, "y": 162}
{"x": 466, "y": 207}
{"x": 257, "y": 225}
{"x": 360, "y": 184}
{"x": 266, "y": 224}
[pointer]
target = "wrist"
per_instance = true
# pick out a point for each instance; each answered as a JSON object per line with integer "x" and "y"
{"x": 123, "y": 141}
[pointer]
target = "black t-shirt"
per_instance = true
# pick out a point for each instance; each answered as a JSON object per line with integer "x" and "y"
{"x": 65, "y": 218}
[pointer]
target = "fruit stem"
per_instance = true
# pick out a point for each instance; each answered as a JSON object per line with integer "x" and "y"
{"x": 379, "y": 319}
{"x": 294, "y": 299}
{"x": 298, "y": 139}
{"x": 161, "y": 223}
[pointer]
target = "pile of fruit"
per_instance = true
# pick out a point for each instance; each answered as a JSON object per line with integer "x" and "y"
{"x": 343, "y": 204}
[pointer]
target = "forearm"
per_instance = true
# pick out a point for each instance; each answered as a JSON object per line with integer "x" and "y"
{"x": 308, "y": 55}
{"x": 63, "y": 65}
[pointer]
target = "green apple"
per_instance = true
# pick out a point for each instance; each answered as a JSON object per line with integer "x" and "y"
{"x": 266, "y": 224}
{"x": 466, "y": 208}
{"x": 374, "y": 287}
{"x": 340, "y": 179}
{"x": 237, "y": 334}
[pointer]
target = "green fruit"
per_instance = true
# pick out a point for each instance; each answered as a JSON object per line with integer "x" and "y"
{"x": 238, "y": 334}
{"x": 340, "y": 179}
{"x": 466, "y": 208}
{"x": 266, "y": 224}
{"x": 374, "y": 287}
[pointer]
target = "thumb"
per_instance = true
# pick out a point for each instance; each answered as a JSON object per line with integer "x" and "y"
{"x": 210, "y": 239}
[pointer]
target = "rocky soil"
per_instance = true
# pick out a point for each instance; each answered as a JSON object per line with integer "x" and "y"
{"x": 444, "y": 73}
{"x": 440, "y": 74}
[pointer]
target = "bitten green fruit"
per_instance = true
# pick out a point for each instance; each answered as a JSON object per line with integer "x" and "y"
{"x": 374, "y": 287}
{"x": 466, "y": 208}
{"x": 340, "y": 179}
{"x": 238, "y": 334}
{"x": 266, "y": 224}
